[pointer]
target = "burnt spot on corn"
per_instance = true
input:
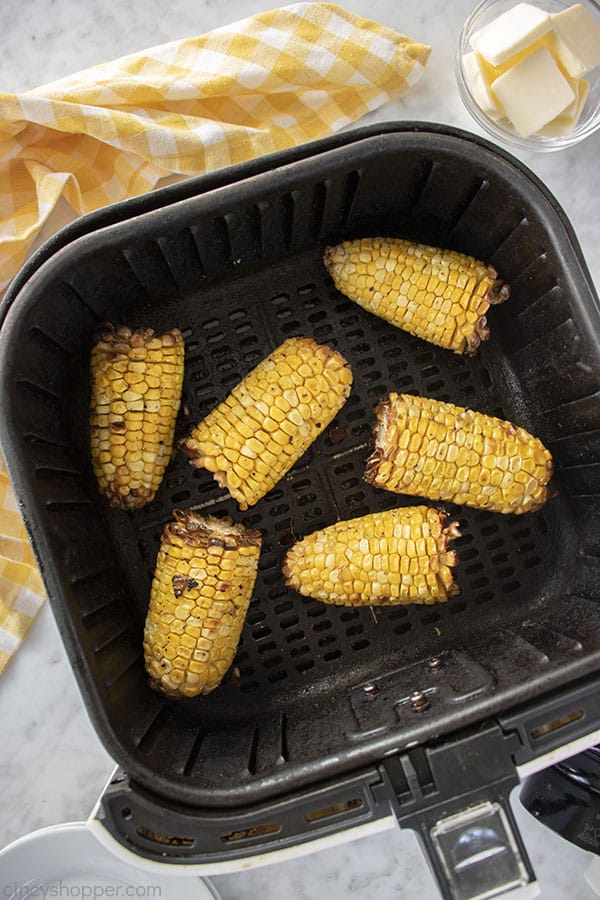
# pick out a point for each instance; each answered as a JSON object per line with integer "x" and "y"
{"x": 499, "y": 291}
{"x": 197, "y": 530}
{"x": 441, "y": 296}
{"x": 181, "y": 583}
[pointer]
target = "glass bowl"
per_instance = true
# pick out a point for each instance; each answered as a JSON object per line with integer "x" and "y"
{"x": 502, "y": 130}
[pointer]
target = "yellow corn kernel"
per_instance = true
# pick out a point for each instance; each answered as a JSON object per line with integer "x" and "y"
{"x": 386, "y": 567}
{"x": 265, "y": 436}
{"x": 441, "y": 296}
{"x": 193, "y": 625}
{"x": 481, "y": 478}
{"x": 129, "y": 450}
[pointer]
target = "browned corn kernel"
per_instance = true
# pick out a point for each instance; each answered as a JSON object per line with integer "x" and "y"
{"x": 438, "y": 295}
{"x": 444, "y": 452}
{"x": 203, "y": 582}
{"x": 136, "y": 391}
{"x": 396, "y": 557}
{"x": 271, "y": 418}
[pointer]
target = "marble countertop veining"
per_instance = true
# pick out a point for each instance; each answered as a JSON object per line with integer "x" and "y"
{"x": 52, "y": 765}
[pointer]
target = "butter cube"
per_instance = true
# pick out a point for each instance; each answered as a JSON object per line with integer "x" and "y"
{"x": 511, "y": 32}
{"x": 548, "y": 40}
{"x": 479, "y": 86}
{"x": 533, "y": 92}
{"x": 577, "y": 34}
{"x": 565, "y": 123}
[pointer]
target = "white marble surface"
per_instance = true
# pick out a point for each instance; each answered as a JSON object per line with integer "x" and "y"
{"x": 52, "y": 765}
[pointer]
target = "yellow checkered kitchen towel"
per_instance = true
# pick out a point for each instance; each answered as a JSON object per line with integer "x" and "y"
{"x": 265, "y": 83}
{"x": 21, "y": 589}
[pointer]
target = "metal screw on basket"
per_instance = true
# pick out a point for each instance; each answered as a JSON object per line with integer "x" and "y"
{"x": 419, "y": 701}
{"x": 370, "y": 690}
{"x": 435, "y": 663}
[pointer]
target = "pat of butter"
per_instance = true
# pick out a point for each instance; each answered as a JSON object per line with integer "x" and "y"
{"x": 533, "y": 92}
{"x": 479, "y": 86}
{"x": 490, "y": 73}
{"x": 566, "y": 122}
{"x": 511, "y": 32}
{"x": 577, "y": 34}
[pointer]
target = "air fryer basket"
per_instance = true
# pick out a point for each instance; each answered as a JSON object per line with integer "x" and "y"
{"x": 315, "y": 691}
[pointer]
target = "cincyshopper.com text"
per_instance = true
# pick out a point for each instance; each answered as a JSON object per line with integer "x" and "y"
{"x": 61, "y": 891}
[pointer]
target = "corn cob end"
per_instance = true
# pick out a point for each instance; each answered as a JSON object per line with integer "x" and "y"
{"x": 497, "y": 293}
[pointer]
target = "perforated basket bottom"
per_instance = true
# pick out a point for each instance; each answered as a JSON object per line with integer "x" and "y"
{"x": 292, "y": 648}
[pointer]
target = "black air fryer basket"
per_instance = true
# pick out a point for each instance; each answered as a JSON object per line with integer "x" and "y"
{"x": 330, "y": 717}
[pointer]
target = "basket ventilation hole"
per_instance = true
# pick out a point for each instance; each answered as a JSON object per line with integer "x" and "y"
{"x": 246, "y": 834}
{"x": 549, "y": 727}
{"x": 362, "y": 644}
{"x": 327, "y": 811}
{"x": 325, "y": 641}
{"x": 167, "y": 839}
{"x": 307, "y": 664}
{"x": 294, "y": 636}
{"x": 272, "y": 661}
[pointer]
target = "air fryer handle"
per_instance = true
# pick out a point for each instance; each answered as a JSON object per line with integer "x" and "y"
{"x": 477, "y": 852}
{"x": 455, "y": 795}
{"x": 470, "y": 839}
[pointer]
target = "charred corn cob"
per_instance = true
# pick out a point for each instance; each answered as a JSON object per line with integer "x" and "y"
{"x": 270, "y": 418}
{"x": 396, "y": 557}
{"x": 438, "y": 295}
{"x": 136, "y": 391}
{"x": 445, "y": 452}
{"x": 203, "y": 582}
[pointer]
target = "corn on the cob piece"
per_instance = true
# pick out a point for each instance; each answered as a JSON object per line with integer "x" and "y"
{"x": 270, "y": 418}
{"x": 444, "y": 452}
{"x": 386, "y": 558}
{"x": 203, "y": 582}
{"x": 438, "y": 295}
{"x": 136, "y": 391}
